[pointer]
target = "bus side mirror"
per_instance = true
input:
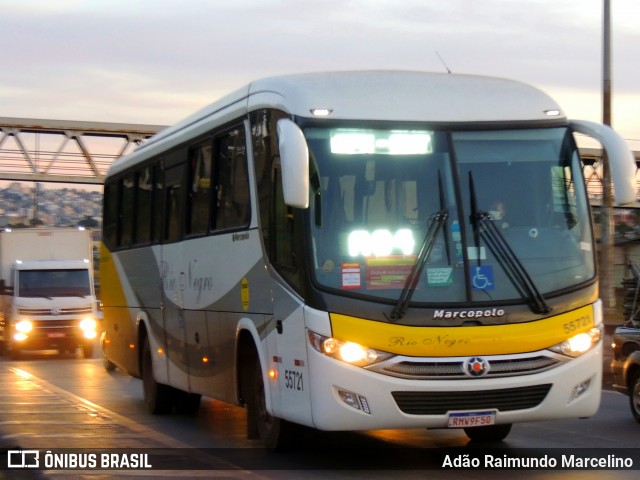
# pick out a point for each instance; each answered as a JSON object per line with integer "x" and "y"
{"x": 294, "y": 161}
{"x": 622, "y": 164}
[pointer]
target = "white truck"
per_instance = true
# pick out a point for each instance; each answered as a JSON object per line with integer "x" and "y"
{"x": 47, "y": 297}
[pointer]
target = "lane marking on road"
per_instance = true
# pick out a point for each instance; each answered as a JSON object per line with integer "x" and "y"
{"x": 32, "y": 384}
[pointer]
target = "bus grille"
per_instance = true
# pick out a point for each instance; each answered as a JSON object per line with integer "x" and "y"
{"x": 442, "y": 369}
{"x": 439, "y": 403}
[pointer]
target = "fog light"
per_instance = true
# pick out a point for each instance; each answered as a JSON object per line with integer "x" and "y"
{"x": 19, "y": 337}
{"x": 355, "y": 401}
{"x": 578, "y": 390}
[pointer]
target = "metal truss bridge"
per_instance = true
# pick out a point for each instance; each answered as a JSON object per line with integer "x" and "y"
{"x": 65, "y": 151}
{"x": 68, "y": 151}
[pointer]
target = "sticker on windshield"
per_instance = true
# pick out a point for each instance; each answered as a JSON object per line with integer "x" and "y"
{"x": 482, "y": 277}
{"x": 389, "y": 272}
{"x": 351, "y": 275}
{"x": 439, "y": 277}
{"x": 476, "y": 253}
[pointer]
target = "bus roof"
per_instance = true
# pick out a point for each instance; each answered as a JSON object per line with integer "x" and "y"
{"x": 438, "y": 98}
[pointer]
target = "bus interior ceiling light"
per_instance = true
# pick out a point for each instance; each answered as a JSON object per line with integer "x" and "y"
{"x": 381, "y": 142}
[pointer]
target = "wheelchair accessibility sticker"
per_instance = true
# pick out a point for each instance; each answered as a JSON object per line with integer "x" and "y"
{"x": 482, "y": 277}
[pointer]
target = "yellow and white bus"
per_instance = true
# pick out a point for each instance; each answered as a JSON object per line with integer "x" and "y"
{"x": 361, "y": 250}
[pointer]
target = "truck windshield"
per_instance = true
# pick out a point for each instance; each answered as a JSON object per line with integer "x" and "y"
{"x": 377, "y": 192}
{"x": 54, "y": 283}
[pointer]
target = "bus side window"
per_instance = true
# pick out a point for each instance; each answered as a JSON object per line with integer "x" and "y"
{"x": 128, "y": 210}
{"x": 173, "y": 203}
{"x": 157, "y": 205}
{"x": 276, "y": 220}
{"x": 231, "y": 181}
{"x": 199, "y": 188}
{"x": 283, "y": 233}
{"x": 143, "y": 206}
{"x": 110, "y": 222}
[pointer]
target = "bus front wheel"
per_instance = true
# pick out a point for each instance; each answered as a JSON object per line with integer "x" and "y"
{"x": 157, "y": 396}
{"x": 490, "y": 433}
{"x": 274, "y": 433}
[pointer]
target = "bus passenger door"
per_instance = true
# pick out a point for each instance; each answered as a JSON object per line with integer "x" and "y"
{"x": 290, "y": 338}
{"x": 291, "y": 400}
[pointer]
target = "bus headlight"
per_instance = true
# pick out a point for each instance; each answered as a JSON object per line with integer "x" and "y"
{"x": 348, "y": 352}
{"x": 88, "y": 326}
{"x": 580, "y": 343}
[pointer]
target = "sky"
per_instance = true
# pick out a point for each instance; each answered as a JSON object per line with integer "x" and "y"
{"x": 157, "y": 61}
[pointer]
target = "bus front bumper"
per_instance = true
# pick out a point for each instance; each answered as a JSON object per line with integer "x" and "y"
{"x": 345, "y": 397}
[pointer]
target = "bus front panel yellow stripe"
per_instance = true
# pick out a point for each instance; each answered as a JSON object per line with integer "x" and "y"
{"x": 464, "y": 340}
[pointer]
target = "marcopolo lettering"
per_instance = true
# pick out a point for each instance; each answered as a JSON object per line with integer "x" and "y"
{"x": 486, "y": 313}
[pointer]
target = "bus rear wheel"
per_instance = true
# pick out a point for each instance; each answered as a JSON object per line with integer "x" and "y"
{"x": 157, "y": 396}
{"x": 490, "y": 433}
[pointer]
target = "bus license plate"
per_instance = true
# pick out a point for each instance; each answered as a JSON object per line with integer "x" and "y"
{"x": 56, "y": 334}
{"x": 471, "y": 419}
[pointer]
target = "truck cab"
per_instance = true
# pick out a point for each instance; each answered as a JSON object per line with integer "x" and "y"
{"x": 48, "y": 302}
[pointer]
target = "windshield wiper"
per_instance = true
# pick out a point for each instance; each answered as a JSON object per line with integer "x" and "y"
{"x": 485, "y": 227}
{"x": 437, "y": 221}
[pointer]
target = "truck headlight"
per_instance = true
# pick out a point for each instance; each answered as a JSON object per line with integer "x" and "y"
{"x": 580, "y": 343}
{"x": 24, "y": 326}
{"x": 348, "y": 352}
{"x": 88, "y": 326}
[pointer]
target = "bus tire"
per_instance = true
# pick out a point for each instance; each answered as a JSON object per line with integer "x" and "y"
{"x": 185, "y": 402}
{"x": 106, "y": 363}
{"x": 274, "y": 433}
{"x": 157, "y": 396}
{"x": 634, "y": 396}
{"x": 490, "y": 433}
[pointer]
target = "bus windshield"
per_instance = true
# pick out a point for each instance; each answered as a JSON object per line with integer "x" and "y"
{"x": 451, "y": 216}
